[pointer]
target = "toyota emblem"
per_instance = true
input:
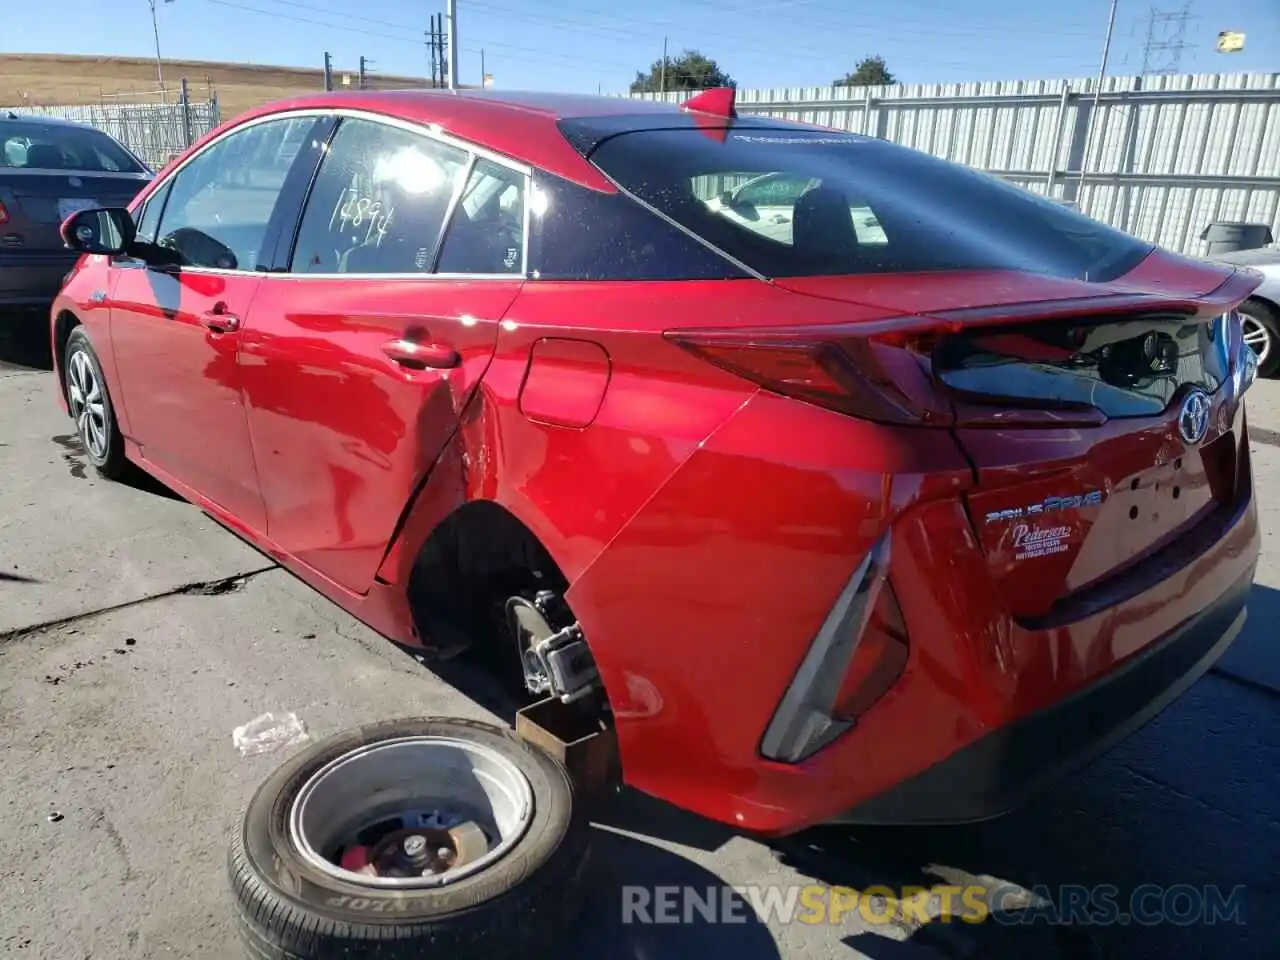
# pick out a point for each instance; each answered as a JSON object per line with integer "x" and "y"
{"x": 1193, "y": 418}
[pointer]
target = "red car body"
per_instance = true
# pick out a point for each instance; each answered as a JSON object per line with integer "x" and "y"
{"x": 818, "y": 582}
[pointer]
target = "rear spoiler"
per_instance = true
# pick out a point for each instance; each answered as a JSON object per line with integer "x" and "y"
{"x": 1228, "y": 295}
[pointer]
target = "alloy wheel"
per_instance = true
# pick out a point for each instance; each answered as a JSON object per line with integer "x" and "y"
{"x": 1257, "y": 336}
{"x": 88, "y": 404}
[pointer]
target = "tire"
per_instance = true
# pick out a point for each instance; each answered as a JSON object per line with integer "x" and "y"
{"x": 519, "y": 906}
{"x": 95, "y": 421}
{"x": 1268, "y": 325}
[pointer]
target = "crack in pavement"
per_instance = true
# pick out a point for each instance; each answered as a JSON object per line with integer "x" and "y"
{"x": 1190, "y": 797}
{"x": 199, "y": 588}
{"x": 1256, "y": 685}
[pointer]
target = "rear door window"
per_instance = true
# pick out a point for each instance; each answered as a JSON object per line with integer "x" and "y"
{"x": 379, "y": 202}
{"x": 792, "y": 202}
{"x": 486, "y": 232}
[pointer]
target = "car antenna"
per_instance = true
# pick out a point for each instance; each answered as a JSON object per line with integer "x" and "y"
{"x": 718, "y": 102}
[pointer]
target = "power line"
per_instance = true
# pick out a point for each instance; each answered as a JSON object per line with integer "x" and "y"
{"x": 409, "y": 36}
{"x": 1166, "y": 40}
{"x": 791, "y": 52}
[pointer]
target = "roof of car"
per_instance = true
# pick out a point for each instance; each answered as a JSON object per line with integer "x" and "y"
{"x": 36, "y": 118}
{"x": 522, "y": 125}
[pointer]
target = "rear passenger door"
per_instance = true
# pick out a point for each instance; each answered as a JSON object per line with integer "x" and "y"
{"x": 368, "y": 342}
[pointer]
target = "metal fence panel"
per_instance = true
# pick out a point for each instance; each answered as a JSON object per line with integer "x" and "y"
{"x": 155, "y": 132}
{"x": 1164, "y": 157}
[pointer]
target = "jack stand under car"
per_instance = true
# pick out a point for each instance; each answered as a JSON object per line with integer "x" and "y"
{"x": 426, "y": 837}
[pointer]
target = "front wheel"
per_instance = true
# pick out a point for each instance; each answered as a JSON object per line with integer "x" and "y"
{"x": 411, "y": 839}
{"x": 1262, "y": 333}
{"x": 90, "y": 406}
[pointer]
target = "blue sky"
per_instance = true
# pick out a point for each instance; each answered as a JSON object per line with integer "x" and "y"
{"x": 585, "y": 45}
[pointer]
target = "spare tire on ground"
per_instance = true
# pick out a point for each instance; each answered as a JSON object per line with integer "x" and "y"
{"x": 413, "y": 838}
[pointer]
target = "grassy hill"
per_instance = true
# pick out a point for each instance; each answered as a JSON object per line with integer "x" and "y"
{"x": 52, "y": 79}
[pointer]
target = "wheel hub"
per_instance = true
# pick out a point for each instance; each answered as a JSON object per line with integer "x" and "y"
{"x": 412, "y": 812}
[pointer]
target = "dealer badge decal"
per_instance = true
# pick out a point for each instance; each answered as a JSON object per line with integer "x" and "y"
{"x": 1031, "y": 542}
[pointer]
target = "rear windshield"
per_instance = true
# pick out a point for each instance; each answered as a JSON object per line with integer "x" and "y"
{"x": 46, "y": 146}
{"x": 791, "y": 203}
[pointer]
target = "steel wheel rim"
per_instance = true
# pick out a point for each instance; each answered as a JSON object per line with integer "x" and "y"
{"x": 1257, "y": 336}
{"x": 88, "y": 404}
{"x": 376, "y": 781}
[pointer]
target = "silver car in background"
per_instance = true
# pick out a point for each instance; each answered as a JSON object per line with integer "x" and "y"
{"x": 1262, "y": 310}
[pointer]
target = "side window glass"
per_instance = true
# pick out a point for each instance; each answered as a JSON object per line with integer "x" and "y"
{"x": 582, "y": 234}
{"x": 220, "y": 203}
{"x": 148, "y": 218}
{"x": 772, "y": 191}
{"x": 486, "y": 234}
{"x": 768, "y": 204}
{"x": 378, "y": 203}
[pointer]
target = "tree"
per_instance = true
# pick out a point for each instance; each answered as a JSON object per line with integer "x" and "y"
{"x": 870, "y": 72}
{"x": 689, "y": 71}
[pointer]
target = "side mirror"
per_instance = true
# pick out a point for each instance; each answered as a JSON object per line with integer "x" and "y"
{"x": 102, "y": 230}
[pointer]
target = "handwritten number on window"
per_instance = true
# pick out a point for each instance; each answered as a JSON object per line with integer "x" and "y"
{"x": 353, "y": 210}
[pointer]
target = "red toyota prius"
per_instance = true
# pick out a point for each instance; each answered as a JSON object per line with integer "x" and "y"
{"x": 844, "y": 483}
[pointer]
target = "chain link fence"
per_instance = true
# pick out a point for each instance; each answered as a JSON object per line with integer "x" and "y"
{"x": 155, "y": 130}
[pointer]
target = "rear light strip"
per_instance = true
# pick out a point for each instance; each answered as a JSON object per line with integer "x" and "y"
{"x": 857, "y": 655}
{"x": 881, "y": 371}
{"x": 864, "y": 378}
{"x": 4, "y": 214}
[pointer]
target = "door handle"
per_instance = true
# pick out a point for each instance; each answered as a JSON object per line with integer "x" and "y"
{"x": 219, "y": 320}
{"x": 419, "y": 356}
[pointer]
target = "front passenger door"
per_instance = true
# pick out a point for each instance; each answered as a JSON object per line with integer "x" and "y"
{"x": 176, "y": 321}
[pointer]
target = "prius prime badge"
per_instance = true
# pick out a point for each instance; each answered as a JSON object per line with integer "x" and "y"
{"x": 1193, "y": 418}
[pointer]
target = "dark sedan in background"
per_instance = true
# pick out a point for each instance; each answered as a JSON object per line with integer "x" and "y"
{"x": 49, "y": 169}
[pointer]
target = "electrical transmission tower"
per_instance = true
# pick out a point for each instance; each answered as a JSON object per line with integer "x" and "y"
{"x": 1166, "y": 39}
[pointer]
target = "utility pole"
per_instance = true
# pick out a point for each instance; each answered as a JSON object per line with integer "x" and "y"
{"x": 662, "y": 73}
{"x": 155, "y": 30}
{"x": 328, "y": 72}
{"x": 1093, "y": 111}
{"x": 452, "y": 13}
{"x": 484, "y": 77}
{"x": 431, "y": 45}
{"x": 440, "y": 48}
{"x": 363, "y": 72}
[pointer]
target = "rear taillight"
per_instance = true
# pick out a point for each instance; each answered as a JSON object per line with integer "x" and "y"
{"x": 854, "y": 660}
{"x": 4, "y": 214}
{"x": 866, "y": 378}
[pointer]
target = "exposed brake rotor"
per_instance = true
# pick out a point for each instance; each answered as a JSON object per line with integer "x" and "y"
{"x": 418, "y": 851}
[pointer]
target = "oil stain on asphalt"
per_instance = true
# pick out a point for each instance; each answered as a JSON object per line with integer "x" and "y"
{"x": 73, "y": 456}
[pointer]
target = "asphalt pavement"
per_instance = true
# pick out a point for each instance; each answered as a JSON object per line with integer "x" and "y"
{"x": 135, "y": 634}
